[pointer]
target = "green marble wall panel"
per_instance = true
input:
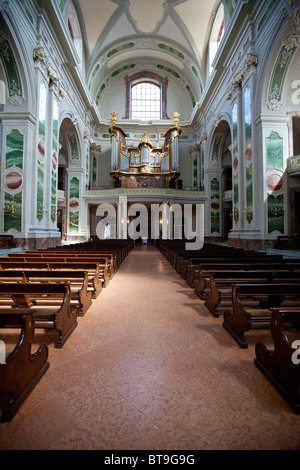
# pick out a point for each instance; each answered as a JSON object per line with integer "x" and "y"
{"x": 248, "y": 154}
{"x": 74, "y": 151}
{"x": 74, "y": 188}
{"x": 87, "y": 166}
{"x": 74, "y": 205}
{"x": 195, "y": 172}
{"x": 214, "y": 189}
{"x": 12, "y": 211}
{"x": 54, "y": 163}
{"x": 234, "y": 130}
{"x": 249, "y": 193}
{"x": 235, "y": 162}
{"x": 41, "y": 153}
{"x": 278, "y": 76}
{"x": 73, "y": 222}
{"x": 215, "y": 222}
{"x": 216, "y": 149}
{"x": 15, "y": 92}
{"x": 274, "y": 152}
{"x": 14, "y": 149}
{"x": 94, "y": 171}
{"x": 215, "y": 206}
{"x": 276, "y": 213}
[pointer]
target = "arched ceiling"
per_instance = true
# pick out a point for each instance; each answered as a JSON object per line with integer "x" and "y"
{"x": 172, "y": 34}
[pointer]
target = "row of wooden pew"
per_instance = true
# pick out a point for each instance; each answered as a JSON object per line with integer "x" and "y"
{"x": 250, "y": 289}
{"x": 51, "y": 286}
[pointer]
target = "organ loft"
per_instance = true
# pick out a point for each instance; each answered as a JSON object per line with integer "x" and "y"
{"x": 145, "y": 166}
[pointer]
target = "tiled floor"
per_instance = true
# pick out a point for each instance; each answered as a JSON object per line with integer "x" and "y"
{"x": 148, "y": 367}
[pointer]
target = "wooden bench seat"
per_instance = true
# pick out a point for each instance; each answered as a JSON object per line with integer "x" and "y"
{"x": 170, "y": 253}
{"x": 63, "y": 316}
{"x": 189, "y": 271}
{"x": 102, "y": 262}
{"x": 219, "y": 293}
{"x": 263, "y": 298}
{"x": 180, "y": 259}
{"x": 281, "y": 364}
{"x": 113, "y": 255}
{"x": 22, "y": 369}
{"x": 98, "y": 277}
{"x": 78, "y": 280}
{"x": 183, "y": 261}
{"x": 202, "y": 282}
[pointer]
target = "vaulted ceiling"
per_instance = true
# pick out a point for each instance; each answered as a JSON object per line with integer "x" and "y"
{"x": 170, "y": 35}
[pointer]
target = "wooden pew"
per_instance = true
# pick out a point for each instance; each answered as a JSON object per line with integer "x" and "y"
{"x": 64, "y": 260}
{"x": 189, "y": 270}
{"x": 22, "y": 369}
{"x": 78, "y": 280}
{"x": 185, "y": 256}
{"x": 113, "y": 255}
{"x": 106, "y": 259}
{"x": 96, "y": 276}
{"x": 184, "y": 263}
{"x": 121, "y": 248}
{"x": 63, "y": 316}
{"x": 220, "y": 285}
{"x": 263, "y": 298}
{"x": 204, "y": 271}
{"x": 281, "y": 364}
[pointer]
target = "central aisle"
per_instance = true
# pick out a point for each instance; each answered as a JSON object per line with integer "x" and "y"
{"x": 148, "y": 367}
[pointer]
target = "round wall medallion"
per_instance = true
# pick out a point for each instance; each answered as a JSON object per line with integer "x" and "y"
{"x": 274, "y": 182}
{"x": 74, "y": 205}
{"x": 13, "y": 180}
{"x": 54, "y": 160}
{"x": 41, "y": 150}
{"x": 248, "y": 153}
{"x": 235, "y": 162}
{"x": 215, "y": 205}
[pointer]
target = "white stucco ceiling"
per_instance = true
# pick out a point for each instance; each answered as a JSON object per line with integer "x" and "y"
{"x": 172, "y": 32}
{"x": 185, "y": 20}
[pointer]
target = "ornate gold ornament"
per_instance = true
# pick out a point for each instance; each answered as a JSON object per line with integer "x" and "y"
{"x": 114, "y": 117}
{"x": 176, "y": 118}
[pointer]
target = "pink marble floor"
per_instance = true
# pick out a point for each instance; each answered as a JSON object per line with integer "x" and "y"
{"x": 148, "y": 367}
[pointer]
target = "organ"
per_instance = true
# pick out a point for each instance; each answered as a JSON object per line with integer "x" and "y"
{"x": 144, "y": 165}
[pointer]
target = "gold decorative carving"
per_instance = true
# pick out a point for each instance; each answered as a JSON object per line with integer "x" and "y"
{"x": 176, "y": 118}
{"x": 114, "y": 117}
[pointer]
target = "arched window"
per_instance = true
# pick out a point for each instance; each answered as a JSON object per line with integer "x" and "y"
{"x": 74, "y": 30}
{"x": 216, "y": 35}
{"x": 146, "y": 96}
{"x": 145, "y": 101}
